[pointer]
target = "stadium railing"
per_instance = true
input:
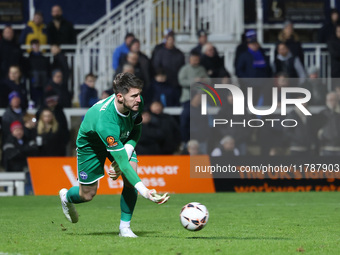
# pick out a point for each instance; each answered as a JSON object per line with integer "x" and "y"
{"x": 14, "y": 183}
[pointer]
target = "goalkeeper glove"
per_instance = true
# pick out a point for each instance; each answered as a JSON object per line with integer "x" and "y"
{"x": 151, "y": 194}
{"x": 158, "y": 198}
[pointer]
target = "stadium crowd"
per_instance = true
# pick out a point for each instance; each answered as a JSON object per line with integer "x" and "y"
{"x": 34, "y": 82}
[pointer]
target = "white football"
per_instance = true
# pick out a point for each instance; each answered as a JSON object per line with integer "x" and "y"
{"x": 194, "y": 216}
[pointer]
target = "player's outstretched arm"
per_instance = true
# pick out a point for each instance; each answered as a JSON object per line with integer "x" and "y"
{"x": 122, "y": 161}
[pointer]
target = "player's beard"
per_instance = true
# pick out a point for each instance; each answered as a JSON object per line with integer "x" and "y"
{"x": 130, "y": 108}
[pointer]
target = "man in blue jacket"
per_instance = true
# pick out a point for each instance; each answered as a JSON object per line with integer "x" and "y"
{"x": 122, "y": 49}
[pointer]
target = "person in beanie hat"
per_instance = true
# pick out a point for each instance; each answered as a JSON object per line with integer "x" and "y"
{"x": 249, "y": 36}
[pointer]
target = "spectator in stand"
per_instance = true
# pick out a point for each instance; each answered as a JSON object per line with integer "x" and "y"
{"x": 162, "y": 91}
{"x": 202, "y": 40}
{"x": 327, "y": 31}
{"x": 213, "y": 64}
{"x": 13, "y": 112}
{"x": 328, "y": 134}
{"x": 106, "y": 93}
{"x": 189, "y": 74}
{"x": 88, "y": 93}
{"x": 65, "y": 99}
{"x": 14, "y": 83}
{"x": 39, "y": 70}
{"x": 226, "y": 148}
{"x": 240, "y": 133}
{"x": 143, "y": 61}
{"x": 253, "y": 64}
{"x": 142, "y": 68}
{"x": 271, "y": 137}
{"x": 122, "y": 49}
{"x": 249, "y": 35}
{"x": 127, "y": 68}
{"x": 281, "y": 80}
{"x": 35, "y": 29}
{"x": 161, "y": 45}
{"x": 30, "y": 125}
{"x": 317, "y": 88}
{"x": 171, "y": 60}
{"x": 49, "y": 135}
{"x": 193, "y": 148}
{"x": 10, "y": 53}
{"x": 52, "y": 103}
{"x": 291, "y": 39}
{"x": 132, "y": 59}
{"x": 59, "y": 30}
{"x": 192, "y": 114}
{"x": 242, "y": 47}
{"x": 60, "y": 62}
{"x": 151, "y": 137}
{"x": 16, "y": 149}
{"x": 289, "y": 64}
{"x": 172, "y": 136}
{"x": 333, "y": 48}
{"x": 301, "y": 138}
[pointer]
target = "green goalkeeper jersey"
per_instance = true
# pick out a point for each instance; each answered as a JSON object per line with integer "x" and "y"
{"x": 105, "y": 130}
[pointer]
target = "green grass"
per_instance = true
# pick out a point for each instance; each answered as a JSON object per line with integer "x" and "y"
{"x": 247, "y": 223}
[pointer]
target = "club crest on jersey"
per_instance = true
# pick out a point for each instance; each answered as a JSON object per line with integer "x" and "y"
{"x": 83, "y": 175}
{"x": 111, "y": 141}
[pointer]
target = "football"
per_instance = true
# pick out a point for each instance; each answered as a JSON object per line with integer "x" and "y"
{"x": 194, "y": 216}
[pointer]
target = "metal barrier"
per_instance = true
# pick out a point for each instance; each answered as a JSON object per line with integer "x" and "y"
{"x": 14, "y": 183}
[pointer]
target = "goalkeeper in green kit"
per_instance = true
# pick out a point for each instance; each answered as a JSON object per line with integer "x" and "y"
{"x": 111, "y": 129}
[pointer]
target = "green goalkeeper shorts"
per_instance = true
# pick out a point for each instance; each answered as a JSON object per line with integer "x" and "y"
{"x": 90, "y": 166}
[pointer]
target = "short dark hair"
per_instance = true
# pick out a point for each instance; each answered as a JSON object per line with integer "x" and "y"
{"x": 135, "y": 40}
{"x": 129, "y": 35}
{"x": 334, "y": 10}
{"x": 282, "y": 43}
{"x": 90, "y": 75}
{"x": 124, "y": 82}
{"x": 35, "y": 41}
{"x": 195, "y": 53}
{"x": 55, "y": 44}
{"x": 39, "y": 13}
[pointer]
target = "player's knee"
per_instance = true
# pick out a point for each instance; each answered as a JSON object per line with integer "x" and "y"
{"x": 88, "y": 196}
{"x": 87, "y": 192}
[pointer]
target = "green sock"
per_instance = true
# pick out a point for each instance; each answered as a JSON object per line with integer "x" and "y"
{"x": 127, "y": 203}
{"x": 72, "y": 195}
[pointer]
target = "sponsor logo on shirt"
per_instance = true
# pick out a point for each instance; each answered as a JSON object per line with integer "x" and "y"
{"x": 111, "y": 141}
{"x": 124, "y": 135}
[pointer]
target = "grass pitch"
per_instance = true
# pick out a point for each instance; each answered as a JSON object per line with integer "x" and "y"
{"x": 247, "y": 223}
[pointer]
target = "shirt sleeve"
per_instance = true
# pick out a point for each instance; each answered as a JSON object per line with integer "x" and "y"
{"x": 109, "y": 133}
